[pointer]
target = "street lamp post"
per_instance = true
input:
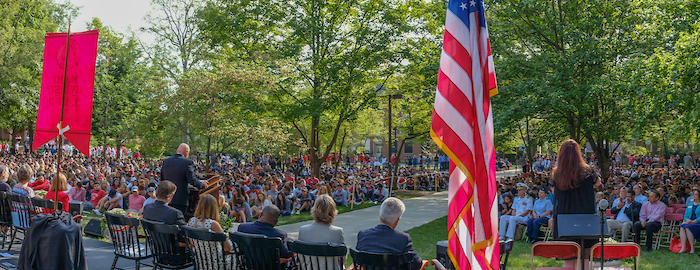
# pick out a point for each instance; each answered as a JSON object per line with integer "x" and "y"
{"x": 390, "y": 142}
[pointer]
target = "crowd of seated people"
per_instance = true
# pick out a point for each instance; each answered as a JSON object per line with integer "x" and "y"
{"x": 639, "y": 189}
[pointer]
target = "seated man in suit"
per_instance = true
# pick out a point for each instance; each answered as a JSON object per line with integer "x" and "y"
{"x": 159, "y": 210}
{"x": 384, "y": 238}
{"x": 265, "y": 225}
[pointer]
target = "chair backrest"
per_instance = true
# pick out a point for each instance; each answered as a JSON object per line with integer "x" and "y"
{"x": 123, "y": 231}
{"x": 677, "y": 206}
{"x": 207, "y": 248}
{"x": 313, "y": 256}
{"x": 556, "y": 249}
{"x": 163, "y": 241}
{"x": 674, "y": 217}
{"x": 384, "y": 261}
{"x": 258, "y": 252}
{"x": 44, "y": 205}
{"x": 5, "y": 209}
{"x": 75, "y": 208}
{"x": 608, "y": 212}
{"x": 669, "y": 210}
{"x": 22, "y": 211}
{"x": 617, "y": 251}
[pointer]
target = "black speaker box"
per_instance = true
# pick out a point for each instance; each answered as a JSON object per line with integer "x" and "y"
{"x": 442, "y": 255}
{"x": 93, "y": 228}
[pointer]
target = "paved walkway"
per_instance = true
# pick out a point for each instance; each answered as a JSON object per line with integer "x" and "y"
{"x": 419, "y": 210}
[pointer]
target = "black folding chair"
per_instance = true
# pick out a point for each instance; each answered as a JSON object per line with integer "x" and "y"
{"x": 316, "y": 256}
{"x": 5, "y": 216}
{"x": 207, "y": 248}
{"x": 383, "y": 261}
{"x": 44, "y": 206}
{"x": 124, "y": 233}
{"x": 164, "y": 244}
{"x": 22, "y": 212}
{"x": 258, "y": 251}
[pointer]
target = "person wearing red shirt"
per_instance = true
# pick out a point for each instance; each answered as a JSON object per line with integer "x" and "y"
{"x": 95, "y": 196}
{"x": 60, "y": 185}
{"x": 40, "y": 184}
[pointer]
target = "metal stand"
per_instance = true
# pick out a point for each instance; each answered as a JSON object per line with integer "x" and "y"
{"x": 602, "y": 239}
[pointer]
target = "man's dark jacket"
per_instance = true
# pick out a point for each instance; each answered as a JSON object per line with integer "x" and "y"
{"x": 267, "y": 229}
{"x": 631, "y": 211}
{"x": 180, "y": 170}
{"x": 384, "y": 239}
{"x": 159, "y": 211}
{"x": 52, "y": 242}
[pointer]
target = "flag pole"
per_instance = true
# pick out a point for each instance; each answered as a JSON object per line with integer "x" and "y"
{"x": 60, "y": 123}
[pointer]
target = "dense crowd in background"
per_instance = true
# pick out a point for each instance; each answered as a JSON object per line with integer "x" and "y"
{"x": 121, "y": 178}
{"x": 638, "y": 189}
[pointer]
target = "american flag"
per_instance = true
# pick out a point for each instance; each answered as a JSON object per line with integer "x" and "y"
{"x": 462, "y": 126}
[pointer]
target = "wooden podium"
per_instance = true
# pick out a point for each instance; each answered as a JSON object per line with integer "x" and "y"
{"x": 213, "y": 185}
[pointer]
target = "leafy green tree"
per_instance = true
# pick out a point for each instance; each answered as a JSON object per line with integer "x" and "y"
{"x": 560, "y": 58}
{"x": 22, "y": 28}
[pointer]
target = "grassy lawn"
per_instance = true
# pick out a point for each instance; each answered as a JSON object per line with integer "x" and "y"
{"x": 425, "y": 237}
{"x": 658, "y": 259}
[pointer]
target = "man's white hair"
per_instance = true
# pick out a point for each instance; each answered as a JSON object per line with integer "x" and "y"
{"x": 391, "y": 210}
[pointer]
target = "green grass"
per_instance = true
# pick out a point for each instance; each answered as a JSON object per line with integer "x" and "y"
{"x": 426, "y": 236}
{"x": 658, "y": 259}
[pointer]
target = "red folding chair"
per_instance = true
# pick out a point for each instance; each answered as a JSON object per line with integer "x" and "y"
{"x": 556, "y": 249}
{"x": 617, "y": 251}
{"x": 677, "y": 206}
{"x": 669, "y": 210}
{"x": 670, "y": 227}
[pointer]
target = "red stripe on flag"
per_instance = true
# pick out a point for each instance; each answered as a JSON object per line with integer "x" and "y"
{"x": 453, "y": 142}
{"x": 456, "y": 97}
{"x": 460, "y": 54}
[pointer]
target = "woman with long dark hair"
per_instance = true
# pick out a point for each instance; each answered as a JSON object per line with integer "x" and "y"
{"x": 574, "y": 187}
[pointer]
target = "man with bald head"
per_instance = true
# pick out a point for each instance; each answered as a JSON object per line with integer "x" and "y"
{"x": 180, "y": 170}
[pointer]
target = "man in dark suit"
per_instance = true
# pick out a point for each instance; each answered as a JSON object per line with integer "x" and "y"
{"x": 265, "y": 225}
{"x": 159, "y": 210}
{"x": 180, "y": 170}
{"x": 384, "y": 238}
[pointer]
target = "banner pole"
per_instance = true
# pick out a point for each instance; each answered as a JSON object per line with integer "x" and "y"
{"x": 60, "y": 123}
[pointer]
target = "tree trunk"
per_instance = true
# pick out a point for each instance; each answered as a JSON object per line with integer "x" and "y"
{"x": 314, "y": 146}
{"x": 340, "y": 152}
{"x": 119, "y": 148}
{"x": 209, "y": 159}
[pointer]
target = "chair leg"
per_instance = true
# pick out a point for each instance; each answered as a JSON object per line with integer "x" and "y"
{"x": 14, "y": 233}
{"x": 114, "y": 264}
{"x": 138, "y": 264}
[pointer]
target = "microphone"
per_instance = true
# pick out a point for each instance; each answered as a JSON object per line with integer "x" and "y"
{"x": 603, "y": 205}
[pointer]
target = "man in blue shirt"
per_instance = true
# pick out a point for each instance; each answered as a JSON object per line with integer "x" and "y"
{"x": 626, "y": 211}
{"x": 639, "y": 196}
{"x": 541, "y": 213}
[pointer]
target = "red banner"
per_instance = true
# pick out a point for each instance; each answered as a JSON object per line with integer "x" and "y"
{"x": 79, "y": 92}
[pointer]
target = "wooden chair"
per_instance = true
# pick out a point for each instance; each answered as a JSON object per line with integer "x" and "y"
{"x": 617, "y": 251}
{"x": 556, "y": 249}
{"x": 207, "y": 248}
{"x": 316, "y": 256}
{"x": 22, "y": 213}
{"x": 258, "y": 252}
{"x": 164, "y": 244}
{"x": 382, "y": 261}
{"x": 44, "y": 206}
{"x": 123, "y": 231}
{"x": 5, "y": 216}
